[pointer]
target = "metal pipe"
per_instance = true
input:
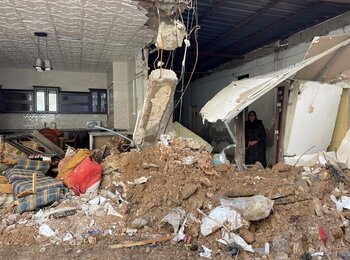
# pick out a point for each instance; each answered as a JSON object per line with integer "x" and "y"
{"x": 92, "y": 126}
{"x": 231, "y": 133}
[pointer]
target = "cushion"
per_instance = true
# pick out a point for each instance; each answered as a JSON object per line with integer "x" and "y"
{"x": 20, "y": 174}
{"x": 38, "y": 200}
{"x": 42, "y": 183}
{"x": 33, "y": 165}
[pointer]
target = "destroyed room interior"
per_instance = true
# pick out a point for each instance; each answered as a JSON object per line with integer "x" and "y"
{"x": 175, "y": 129}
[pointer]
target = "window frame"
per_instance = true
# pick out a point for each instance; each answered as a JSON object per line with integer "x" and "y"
{"x": 46, "y": 90}
{"x": 99, "y": 92}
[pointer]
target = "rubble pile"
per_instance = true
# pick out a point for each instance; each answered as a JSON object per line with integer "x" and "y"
{"x": 173, "y": 189}
{"x": 116, "y": 145}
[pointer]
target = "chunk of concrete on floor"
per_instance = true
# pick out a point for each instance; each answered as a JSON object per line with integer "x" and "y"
{"x": 310, "y": 159}
{"x": 154, "y": 118}
{"x": 198, "y": 142}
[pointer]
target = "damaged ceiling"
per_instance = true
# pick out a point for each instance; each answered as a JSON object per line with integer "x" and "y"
{"x": 86, "y": 35}
{"x": 230, "y": 29}
{"x": 83, "y": 35}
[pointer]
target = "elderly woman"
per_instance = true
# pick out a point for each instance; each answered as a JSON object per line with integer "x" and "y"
{"x": 255, "y": 140}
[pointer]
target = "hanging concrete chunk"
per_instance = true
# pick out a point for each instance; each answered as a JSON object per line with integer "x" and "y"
{"x": 155, "y": 115}
{"x": 170, "y": 35}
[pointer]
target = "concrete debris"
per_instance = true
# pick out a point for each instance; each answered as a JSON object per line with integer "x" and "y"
{"x": 189, "y": 160}
{"x": 138, "y": 181}
{"x": 112, "y": 211}
{"x": 154, "y": 117}
{"x": 247, "y": 235}
{"x": 310, "y": 159}
{"x": 46, "y": 231}
{"x": 188, "y": 191}
{"x": 195, "y": 142}
{"x": 281, "y": 167}
{"x": 206, "y": 252}
{"x": 68, "y": 237}
{"x": 61, "y": 212}
{"x": 97, "y": 201}
{"x": 139, "y": 223}
{"x": 131, "y": 231}
{"x": 92, "y": 240}
{"x": 150, "y": 166}
{"x": 318, "y": 207}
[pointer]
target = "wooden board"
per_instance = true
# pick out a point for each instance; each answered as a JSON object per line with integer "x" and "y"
{"x": 6, "y": 188}
{"x": 3, "y": 180}
{"x": 140, "y": 243}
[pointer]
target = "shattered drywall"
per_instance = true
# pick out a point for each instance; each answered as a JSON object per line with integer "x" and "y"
{"x": 231, "y": 100}
{"x": 155, "y": 115}
{"x": 311, "y": 114}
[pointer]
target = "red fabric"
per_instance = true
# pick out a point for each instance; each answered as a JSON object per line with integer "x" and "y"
{"x": 323, "y": 236}
{"x": 87, "y": 173}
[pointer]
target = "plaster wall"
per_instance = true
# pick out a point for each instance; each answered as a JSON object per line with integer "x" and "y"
{"x": 66, "y": 80}
{"x": 128, "y": 92}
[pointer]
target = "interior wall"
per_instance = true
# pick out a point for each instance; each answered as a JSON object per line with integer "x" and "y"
{"x": 129, "y": 90}
{"x": 67, "y": 80}
{"x": 310, "y": 108}
{"x": 11, "y": 78}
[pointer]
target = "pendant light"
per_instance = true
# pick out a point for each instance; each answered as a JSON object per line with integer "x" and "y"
{"x": 40, "y": 64}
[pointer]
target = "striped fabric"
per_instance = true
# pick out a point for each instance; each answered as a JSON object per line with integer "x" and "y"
{"x": 38, "y": 200}
{"x": 20, "y": 174}
{"x": 32, "y": 165}
{"x": 42, "y": 183}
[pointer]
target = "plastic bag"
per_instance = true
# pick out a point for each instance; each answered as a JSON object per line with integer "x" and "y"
{"x": 69, "y": 163}
{"x": 174, "y": 218}
{"x": 218, "y": 217}
{"x": 86, "y": 174}
{"x": 252, "y": 208}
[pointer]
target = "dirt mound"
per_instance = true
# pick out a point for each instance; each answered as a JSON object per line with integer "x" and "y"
{"x": 175, "y": 176}
{"x": 140, "y": 188}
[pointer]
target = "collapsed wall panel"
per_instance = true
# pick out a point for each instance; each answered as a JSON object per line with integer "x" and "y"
{"x": 311, "y": 116}
{"x": 157, "y": 108}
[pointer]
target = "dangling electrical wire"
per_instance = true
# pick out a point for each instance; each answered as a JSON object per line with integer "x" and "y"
{"x": 197, "y": 27}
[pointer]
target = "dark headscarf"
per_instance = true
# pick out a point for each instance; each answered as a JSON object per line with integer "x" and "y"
{"x": 255, "y": 124}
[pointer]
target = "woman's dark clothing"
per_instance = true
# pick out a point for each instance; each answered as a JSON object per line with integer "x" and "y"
{"x": 255, "y": 131}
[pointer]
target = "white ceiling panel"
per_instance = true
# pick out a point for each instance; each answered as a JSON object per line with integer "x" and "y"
{"x": 83, "y": 35}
